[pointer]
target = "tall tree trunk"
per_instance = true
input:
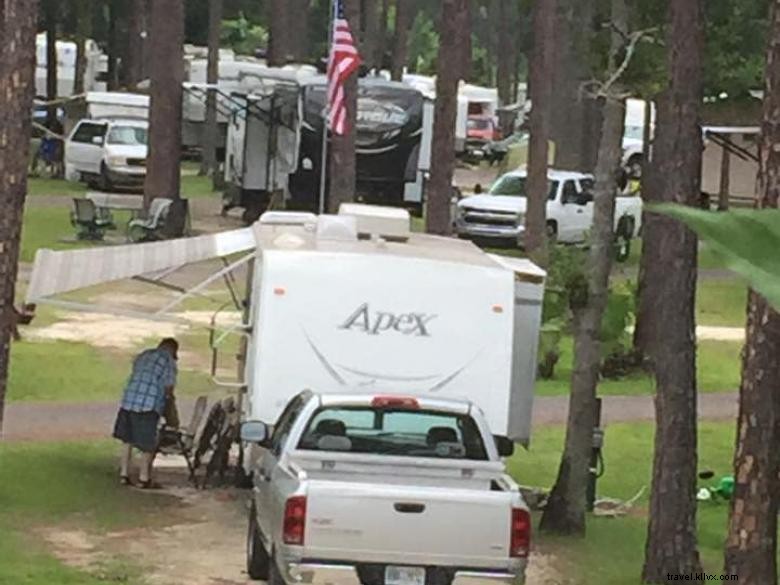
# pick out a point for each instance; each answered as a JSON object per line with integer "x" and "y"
{"x": 404, "y": 17}
{"x": 279, "y": 33}
{"x": 381, "y": 45}
{"x": 534, "y": 238}
{"x": 565, "y": 510}
{"x": 343, "y": 164}
{"x": 570, "y": 107}
{"x": 506, "y": 51}
{"x": 18, "y": 24}
{"x": 671, "y": 284}
{"x": 83, "y": 30}
{"x": 751, "y": 544}
{"x": 52, "y": 11}
{"x": 165, "y": 124}
{"x": 136, "y": 33}
{"x": 370, "y": 32}
{"x": 299, "y": 31}
{"x": 453, "y": 58}
{"x": 112, "y": 50}
{"x": 208, "y": 163}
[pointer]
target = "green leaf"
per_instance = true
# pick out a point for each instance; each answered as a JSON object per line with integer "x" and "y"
{"x": 748, "y": 241}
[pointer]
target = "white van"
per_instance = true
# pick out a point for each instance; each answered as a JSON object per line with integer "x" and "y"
{"x": 107, "y": 153}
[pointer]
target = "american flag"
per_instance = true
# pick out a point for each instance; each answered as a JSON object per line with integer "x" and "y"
{"x": 344, "y": 60}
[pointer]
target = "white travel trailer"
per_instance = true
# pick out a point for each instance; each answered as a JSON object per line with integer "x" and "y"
{"x": 96, "y": 67}
{"x": 347, "y": 303}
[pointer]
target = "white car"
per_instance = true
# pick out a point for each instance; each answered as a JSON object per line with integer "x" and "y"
{"x": 107, "y": 153}
{"x": 500, "y": 214}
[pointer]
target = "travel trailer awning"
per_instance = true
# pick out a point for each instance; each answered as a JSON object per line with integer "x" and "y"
{"x": 57, "y": 272}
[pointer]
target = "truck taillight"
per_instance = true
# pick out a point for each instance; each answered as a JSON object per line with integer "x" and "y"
{"x": 520, "y": 542}
{"x": 295, "y": 520}
{"x": 395, "y": 402}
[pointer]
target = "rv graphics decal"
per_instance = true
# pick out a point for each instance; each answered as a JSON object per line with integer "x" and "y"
{"x": 376, "y": 322}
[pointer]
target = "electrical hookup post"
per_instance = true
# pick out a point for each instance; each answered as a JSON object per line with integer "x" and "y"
{"x": 596, "y": 469}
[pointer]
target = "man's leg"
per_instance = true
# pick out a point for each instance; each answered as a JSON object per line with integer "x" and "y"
{"x": 147, "y": 460}
{"x": 125, "y": 460}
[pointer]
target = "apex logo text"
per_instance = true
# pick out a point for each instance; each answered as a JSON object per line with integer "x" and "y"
{"x": 376, "y": 322}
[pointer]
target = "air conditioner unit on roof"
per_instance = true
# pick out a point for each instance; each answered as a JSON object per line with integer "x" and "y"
{"x": 373, "y": 220}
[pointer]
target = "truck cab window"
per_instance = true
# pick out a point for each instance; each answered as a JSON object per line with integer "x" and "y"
{"x": 86, "y": 132}
{"x": 284, "y": 424}
{"x": 394, "y": 432}
{"x": 569, "y": 192}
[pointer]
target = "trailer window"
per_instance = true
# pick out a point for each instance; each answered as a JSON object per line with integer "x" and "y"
{"x": 396, "y": 432}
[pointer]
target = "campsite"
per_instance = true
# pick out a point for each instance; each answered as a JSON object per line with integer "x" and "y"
{"x": 389, "y": 292}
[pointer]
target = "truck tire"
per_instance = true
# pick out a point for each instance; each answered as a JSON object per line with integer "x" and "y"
{"x": 257, "y": 559}
{"x": 552, "y": 232}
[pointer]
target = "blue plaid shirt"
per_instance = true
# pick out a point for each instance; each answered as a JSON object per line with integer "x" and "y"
{"x": 153, "y": 371}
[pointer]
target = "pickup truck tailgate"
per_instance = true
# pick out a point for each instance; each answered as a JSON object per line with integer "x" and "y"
{"x": 406, "y": 524}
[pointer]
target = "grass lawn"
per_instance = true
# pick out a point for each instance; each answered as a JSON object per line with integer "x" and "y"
{"x": 56, "y": 483}
{"x": 192, "y": 186}
{"x": 721, "y": 303}
{"x": 718, "y": 367}
{"x": 77, "y": 372}
{"x": 613, "y": 550}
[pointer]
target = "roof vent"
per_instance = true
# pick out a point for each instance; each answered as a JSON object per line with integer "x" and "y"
{"x": 372, "y": 220}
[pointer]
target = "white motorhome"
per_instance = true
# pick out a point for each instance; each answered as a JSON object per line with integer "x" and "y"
{"x": 348, "y": 303}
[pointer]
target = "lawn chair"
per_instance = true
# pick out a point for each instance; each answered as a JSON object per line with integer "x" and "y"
{"x": 91, "y": 222}
{"x": 150, "y": 228}
{"x": 181, "y": 441}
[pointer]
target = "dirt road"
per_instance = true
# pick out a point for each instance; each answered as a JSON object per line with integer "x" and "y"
{"x": 56, "y": 422}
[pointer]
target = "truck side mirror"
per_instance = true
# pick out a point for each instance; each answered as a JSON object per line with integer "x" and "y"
{"x": 506, "y": 448}
{"x": 255, "y": 432}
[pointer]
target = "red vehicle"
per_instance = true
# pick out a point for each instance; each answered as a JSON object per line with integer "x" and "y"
{"x": 481, "y": 129}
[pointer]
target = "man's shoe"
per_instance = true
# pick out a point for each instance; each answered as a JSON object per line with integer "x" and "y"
{"x": 124, "y": 480}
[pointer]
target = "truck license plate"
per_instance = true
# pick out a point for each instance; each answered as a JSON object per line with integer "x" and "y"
{"x": 404, "y": 575}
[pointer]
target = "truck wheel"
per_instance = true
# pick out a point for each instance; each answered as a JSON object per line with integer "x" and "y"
{"x": 257, "y": 559}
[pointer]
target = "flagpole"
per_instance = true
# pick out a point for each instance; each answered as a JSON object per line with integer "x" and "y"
{"x": 326, "y": 115}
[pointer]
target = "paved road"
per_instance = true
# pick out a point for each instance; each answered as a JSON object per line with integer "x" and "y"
{"x": 59, "y": 422}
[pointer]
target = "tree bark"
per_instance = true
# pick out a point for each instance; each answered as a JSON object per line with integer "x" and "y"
{"x": 112, "y": 49}
{"x": 52, "y": 62}
{"x": 404, "y": 17}
{"x": 136, "y": 29}
{"x": 279, "y": 34}
{"x": 671, "y": 291}
{"x": 370, "y": 33}
{"x": 208, "y": 163}
{"x": 299, "y": 31}
{"x": 454, "y": 54}
{"x": 751, "y": 544}
{"x": 83, "y": 30}
{"x": 571, "y": 108}
{"x": 506, "y": 51}
{"x": 534, "y": 238}
{"x": 18, "y": 24}
{"x": 165, "y": 123}
{"x": 343, "y": 164}
{"x": 381, "y": 46}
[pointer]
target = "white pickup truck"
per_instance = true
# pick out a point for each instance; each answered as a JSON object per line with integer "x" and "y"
{"x": 384, "y": 490}
{"x": 500, "y": 214}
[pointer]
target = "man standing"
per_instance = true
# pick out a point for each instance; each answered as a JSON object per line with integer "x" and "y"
{"x": 146, "y": 395}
